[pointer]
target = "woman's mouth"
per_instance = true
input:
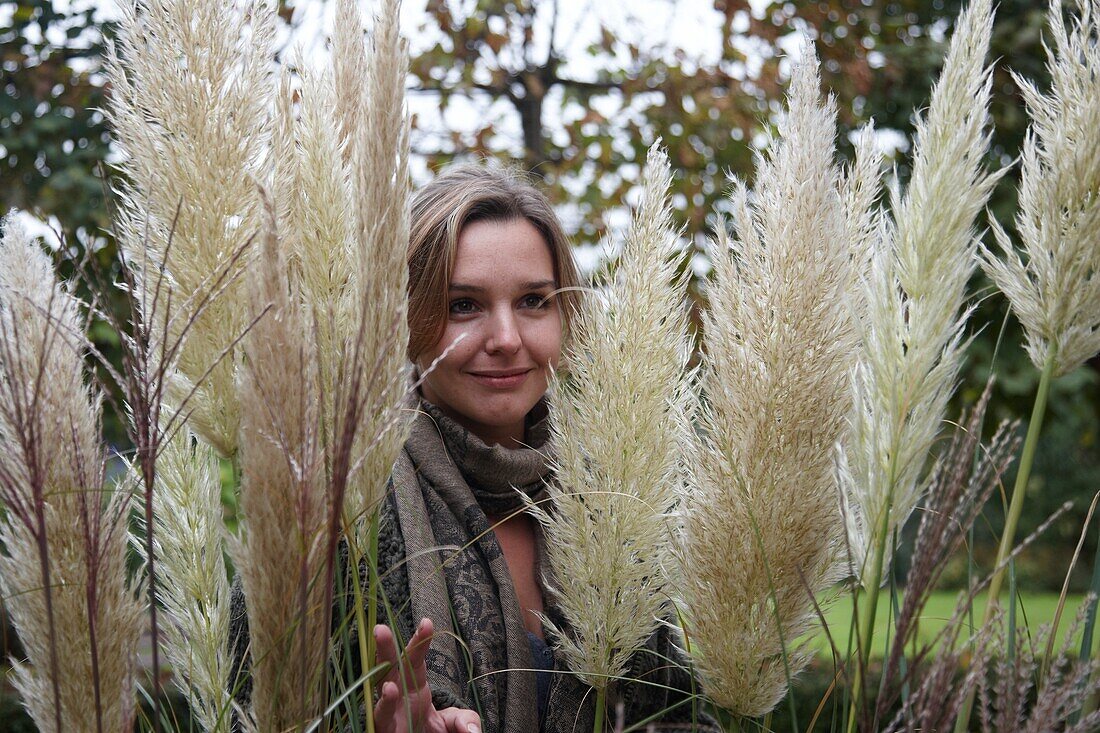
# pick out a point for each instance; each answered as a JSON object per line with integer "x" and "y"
{"x": 503, "y": 379}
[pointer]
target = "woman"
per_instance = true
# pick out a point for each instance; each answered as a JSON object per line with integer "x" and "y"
{"x": 491, "y": 290}
{"x": 492, "y": 286}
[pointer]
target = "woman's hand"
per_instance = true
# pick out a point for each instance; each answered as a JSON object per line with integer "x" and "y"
{"x": 408, "y": 707}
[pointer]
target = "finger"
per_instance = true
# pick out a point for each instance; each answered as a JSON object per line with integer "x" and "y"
{"x": 458, "y": 720}
{"x": 417, "y": 649}
{"x": 416, "y": 652}
{"x": 386, "y": 650}
{"x": 387, "y": 708}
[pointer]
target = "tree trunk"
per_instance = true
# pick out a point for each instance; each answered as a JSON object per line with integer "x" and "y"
{"x": 535, "y": 84}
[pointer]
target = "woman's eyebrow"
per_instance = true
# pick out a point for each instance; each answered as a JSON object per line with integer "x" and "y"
{"x": 466, "y": 288}
{"x": 530, "y": 285}
{"x": 538, "y": 284}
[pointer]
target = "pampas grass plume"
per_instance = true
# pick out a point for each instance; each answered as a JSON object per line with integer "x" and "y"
{"x": 375, "y": 127}
{"x": 618, "y": 420}
{"x": 912, "y": 328}
{"x": 188, "y": 539}
{"x": 190, "y": 106}
{"x": 316, "y": 212}
{"x": 762, "y": 534}
{"x": 1056, "y": 292}
{"x": 284, "y": 505}
{"x": 63, "y": 570}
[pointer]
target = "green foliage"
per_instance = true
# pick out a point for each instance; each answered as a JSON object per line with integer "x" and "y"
{"x": 698, "y": 109}
{"x": 52, "y": 136}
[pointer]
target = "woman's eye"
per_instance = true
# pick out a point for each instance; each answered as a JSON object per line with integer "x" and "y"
{"x": 536, "y": 301}
{"x": 462, "y": 306}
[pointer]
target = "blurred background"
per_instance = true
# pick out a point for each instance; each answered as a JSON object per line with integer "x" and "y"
{"x": 576, "y": 91}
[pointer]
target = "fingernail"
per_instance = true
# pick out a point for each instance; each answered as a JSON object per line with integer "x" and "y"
{"x": 473, "y": 728}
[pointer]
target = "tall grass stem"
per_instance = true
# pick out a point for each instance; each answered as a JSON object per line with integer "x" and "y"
{"x": 372, "y": 614}
{"x": 1016, "y": 504}
{"x": 866, "y": 623}
{"x": 601, "y": 709}
{"x": 1087, "y": 633}
{"x": 1049, "y": 656}
{"x": 1019, "y": 489}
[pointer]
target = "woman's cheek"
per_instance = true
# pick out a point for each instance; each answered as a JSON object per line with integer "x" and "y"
{"x": 461, "y": 339}
{"x": 552, "y": 343}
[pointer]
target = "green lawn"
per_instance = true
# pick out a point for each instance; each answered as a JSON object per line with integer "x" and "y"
{"x": 1033, "y": 610}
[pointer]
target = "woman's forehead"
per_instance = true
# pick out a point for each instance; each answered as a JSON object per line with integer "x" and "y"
{"x": 492, "y": 250}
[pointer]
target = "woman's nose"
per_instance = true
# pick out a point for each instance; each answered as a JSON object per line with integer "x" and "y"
{"x": 504, "y": 336}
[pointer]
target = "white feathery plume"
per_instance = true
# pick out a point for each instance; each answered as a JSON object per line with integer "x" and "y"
{"x": 342, "y": 196}
{"x": 376, "y": 129}
{"x": 861, "y": 183}
{"x": 63, "y": 568}
{"x": 283, "y": 550}
{"x": 913, "y": 327}
{"x": 319, "y": 211}
{"x": 762, "y": 535}
{"x": 618, "y": 421}
{"x": 190, "y": 96}
{"x": 350, "y": 68}
{"x": 188, "y": 539}
{"x": 317, "y": 214}
{"x": 1056, "y": 293}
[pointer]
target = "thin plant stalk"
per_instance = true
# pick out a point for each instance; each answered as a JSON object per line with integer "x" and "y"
{"x": 866, "y": 625}
{"x": 601, "y": 710}
{"x": 366, "y": 619}
{"x": 1012, "y": 518}
{"x": 372, "y": 613}
{"x": 47, "y": 587}
{"x": 1087, "y": 633}
{"x": 1019, "y": 489}
{"x": 1060, "y": 609}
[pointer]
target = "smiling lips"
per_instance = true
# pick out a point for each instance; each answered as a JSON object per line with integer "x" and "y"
{"x": 504, "y": 379}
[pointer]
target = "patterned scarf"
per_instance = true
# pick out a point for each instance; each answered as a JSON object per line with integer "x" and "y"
{"x": 445, "y": 482}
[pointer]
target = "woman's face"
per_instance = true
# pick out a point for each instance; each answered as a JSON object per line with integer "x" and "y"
{"x": 511, "y": 333}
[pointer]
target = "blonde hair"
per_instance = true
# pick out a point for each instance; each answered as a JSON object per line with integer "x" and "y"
{"x": 459, "y": 196}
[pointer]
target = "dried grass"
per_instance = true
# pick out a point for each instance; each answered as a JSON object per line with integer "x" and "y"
{"x": 63, "y": 571}
{"x": 618, "y": 420}
{"x": 1055, "y": 290}
{"x": 762, "y": 530}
